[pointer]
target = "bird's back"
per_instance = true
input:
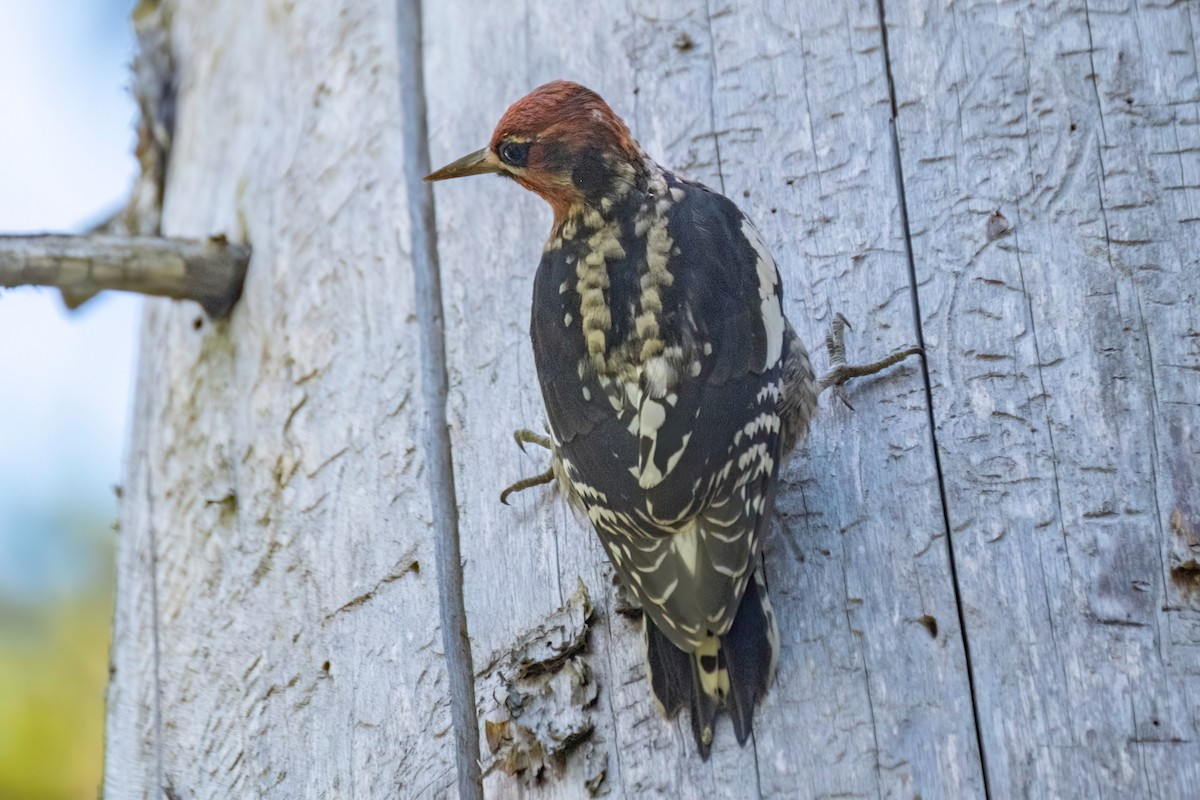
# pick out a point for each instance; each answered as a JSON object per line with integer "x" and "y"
{"x": 662, "y": 351}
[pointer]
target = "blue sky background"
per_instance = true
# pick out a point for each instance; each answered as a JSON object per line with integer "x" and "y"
{"x": 65, "y": 378}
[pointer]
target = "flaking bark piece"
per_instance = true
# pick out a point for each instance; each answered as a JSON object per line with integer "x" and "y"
{"x": 538, "y": 697}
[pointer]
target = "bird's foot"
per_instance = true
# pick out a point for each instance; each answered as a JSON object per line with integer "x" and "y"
{"x": 522, "y": 437}
{"x": 840, "y": 372}
{"x": 527, "y": 483}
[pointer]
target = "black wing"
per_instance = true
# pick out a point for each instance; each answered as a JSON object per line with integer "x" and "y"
{"x": 675, "y": 463}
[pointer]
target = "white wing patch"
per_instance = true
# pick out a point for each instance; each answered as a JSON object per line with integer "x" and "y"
{"x": 768, "y": 284}
{"x": 651, "y": 417}
{"x": 658, "y": 376}
{"x": 686, "y": 545}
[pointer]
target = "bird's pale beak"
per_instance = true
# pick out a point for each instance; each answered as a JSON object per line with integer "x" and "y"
{"x": 478, "y": 163}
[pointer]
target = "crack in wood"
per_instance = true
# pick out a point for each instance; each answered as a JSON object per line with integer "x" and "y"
{"x": 407, "y": 565}
{"x": 439, "y": 456}
{"x": 898, "y": 169}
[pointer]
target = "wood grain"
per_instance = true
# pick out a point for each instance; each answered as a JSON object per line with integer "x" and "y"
{"x": 753, "y": 100}
{"x": 1064, "y": 363}
{"x": 276, "y": 458}
{"x": 985, "y": 575}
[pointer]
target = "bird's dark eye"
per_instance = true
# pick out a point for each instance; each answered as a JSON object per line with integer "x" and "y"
{"x": 515, "y": 154}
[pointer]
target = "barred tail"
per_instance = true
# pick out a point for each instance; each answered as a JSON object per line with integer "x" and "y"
{"x": 732, "y": 671}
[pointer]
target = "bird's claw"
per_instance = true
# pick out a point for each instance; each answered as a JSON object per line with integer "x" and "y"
{"x": 840, "y": 372}
{"x": 527, "y": 483}
{"x": 523, "y": 436}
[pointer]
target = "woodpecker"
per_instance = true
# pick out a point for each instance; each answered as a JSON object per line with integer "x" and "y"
{"x": 674, "y": 388}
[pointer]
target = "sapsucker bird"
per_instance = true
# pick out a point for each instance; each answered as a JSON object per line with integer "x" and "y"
{"x": 673, "y": 384}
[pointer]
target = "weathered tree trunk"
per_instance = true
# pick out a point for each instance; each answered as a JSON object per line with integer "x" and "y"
{"x": 985, "y": 575}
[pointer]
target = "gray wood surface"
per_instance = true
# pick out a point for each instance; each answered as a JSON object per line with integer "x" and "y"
{"x": 276, "y": 460}
{"x": 1066, "y": 372}
{"x": 860, "y": 560}
{"x": 1031, "y": 590}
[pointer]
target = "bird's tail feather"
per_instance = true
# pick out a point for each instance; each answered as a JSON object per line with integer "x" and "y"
{"x": 732, "y": 671}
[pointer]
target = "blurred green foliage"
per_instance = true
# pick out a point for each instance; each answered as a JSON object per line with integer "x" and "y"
{"x": 53, "y": 675}
{"x": 62, "y": 419}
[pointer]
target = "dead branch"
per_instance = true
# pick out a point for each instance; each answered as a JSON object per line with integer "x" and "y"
{"x": 208, "y": 271}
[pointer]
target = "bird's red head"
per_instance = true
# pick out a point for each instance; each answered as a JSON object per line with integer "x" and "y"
{"x": 564, "y": 143}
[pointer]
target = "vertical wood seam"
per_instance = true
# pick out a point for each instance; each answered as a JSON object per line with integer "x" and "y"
{"x": 443, "y": 502}
{"x": 154, "y": 629}
{"x": 898, "y": 171}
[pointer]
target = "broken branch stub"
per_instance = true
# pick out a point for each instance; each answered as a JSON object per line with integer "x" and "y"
{"x": 209, "y": 271}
